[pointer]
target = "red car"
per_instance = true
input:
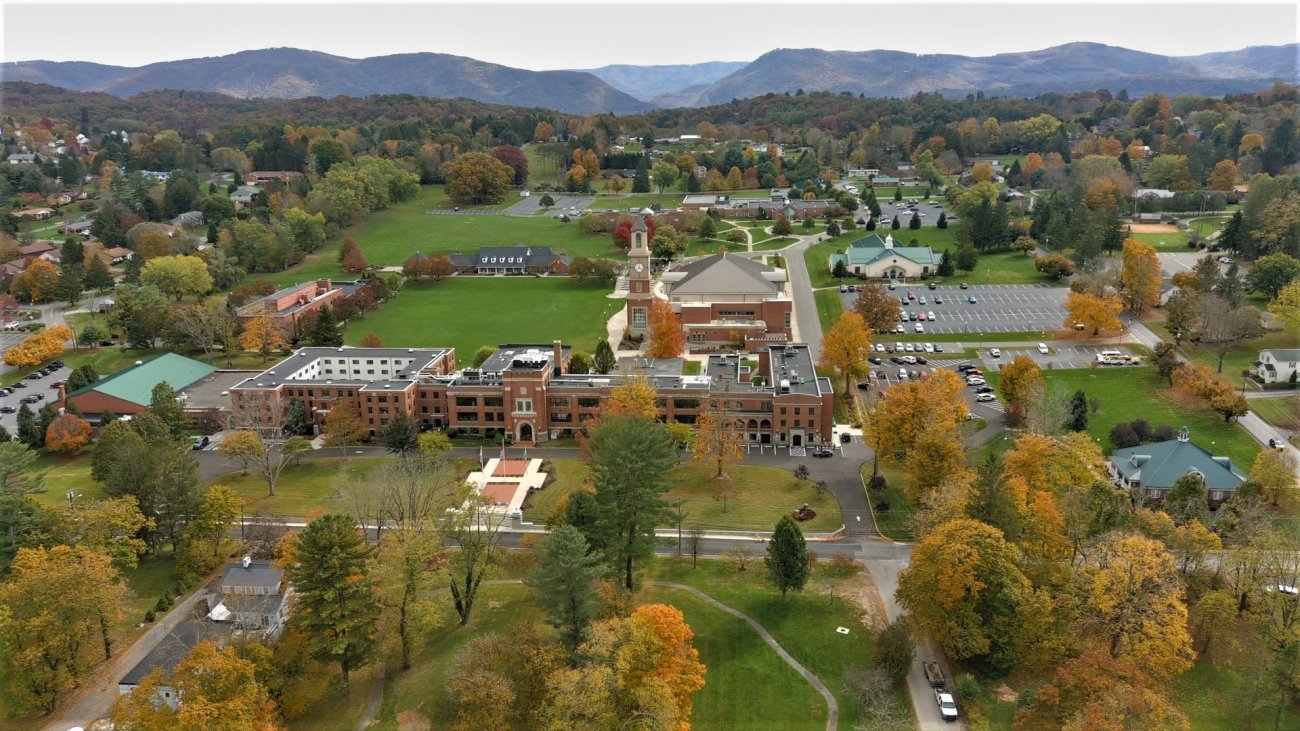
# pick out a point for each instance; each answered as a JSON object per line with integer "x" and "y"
{"x": 58, "y": 384}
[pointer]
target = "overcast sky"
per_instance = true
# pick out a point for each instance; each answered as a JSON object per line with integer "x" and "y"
{"x": 546, "y": 35}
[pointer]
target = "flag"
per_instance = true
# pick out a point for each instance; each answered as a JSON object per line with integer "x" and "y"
{"x": 480, "y": 456}
{"x": 503, "y": 447}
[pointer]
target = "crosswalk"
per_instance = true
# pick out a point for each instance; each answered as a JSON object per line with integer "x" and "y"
{"x": 798, "y": 452}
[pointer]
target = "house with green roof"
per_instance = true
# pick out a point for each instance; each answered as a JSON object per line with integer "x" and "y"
{"x": 876, "y": 258}
{"x": 1150, "y": 470}
{"x": 128, "y": 391}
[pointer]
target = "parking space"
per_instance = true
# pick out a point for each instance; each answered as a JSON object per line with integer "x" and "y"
{"x": 888, "y": 375}
{"x": 997, "y": 308}
{"x": 1062, "y": 356}
{"x": 30, "y": 387}
{"x": 927, "y": 211}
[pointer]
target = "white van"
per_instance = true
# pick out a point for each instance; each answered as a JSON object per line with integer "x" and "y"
{"x": 1110, "y": 354}
{"x": 902, "y": 374}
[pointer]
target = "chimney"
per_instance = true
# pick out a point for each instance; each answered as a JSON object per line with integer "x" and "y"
{"x": 246, "y": 561}
{"x": 557, "y": 352}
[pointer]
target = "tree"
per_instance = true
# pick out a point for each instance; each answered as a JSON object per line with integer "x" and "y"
{"x": 343, "y": 426}
{"x": 1274, "y": 471}
{"x": 641, "y": 179}
{"x": 1132, "y": 600}
{"x": 563, "y": 582}
{"x": 515, "y": 159}
{"x": 68, "y": 433}
{"x": 211, "y": 683}
{"x": 579, "y": 362}
{"x": 1093, "y": 311}
{"x": 895, "y": 650}
{"x": 247, "y": 449}
{"x": 1224, "y": 176}
{"x": 604, "y": 361}
{"x": 97, "y": 275}
{"x": 1055, "y": 266}
{"x": 164, "y": 405}
{"x": 967, "y": 257}
{"x": 330, "y": 573}
{"x": 1188, "y": 499}
{"x": 325, "y": 329}
{"x": 1021, "y": 381}
{"x": 787, "y": 561}
{"x": 62, "y": 603}
{"x": 719, "y": 439}
{"x": 28, "y": 433}
{"x": 1271, "y": 273}
{"x": 1078, "y": 412}
{"x": 629, "y": 457}
{"x": 477, "y": 178}
{"x": 39, "y": 282}
{"x": 1095, "y": 691}
{"x": 965, "y": 588}
{"x": 664, "y": 175}
{"x": 917, "y": 427}
{"x": 205, "y": 324}
{"x": 665, "y": 339}
{"x": 1165, "y": 359}
{"x": 782, "y": 226}
{"x": 263, "y": 335}
{"x": 217, "y": 512}
{"x": 1225, "y": 325}
{"x": 878, "y": 309}
{"x": 1140, "y": 276}
{"x": 846, "y": 347}
{"x": 1287, "y": 306}
{"x": 596, "y": 271}
{"x": 474, "y": 528}
{"x": 400, "y": 435}
{"x": 38, "y": 348}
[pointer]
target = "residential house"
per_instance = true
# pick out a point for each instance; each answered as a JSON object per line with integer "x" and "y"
{"x": 24, "y": 158}
{"x": 34, "y": 214}
{"x": 254, "y": 596}
{"x": 77, "y": 228}
{"x": 270, "y": 176}
{"x": 1278, "y": 365}
{"x": 1152, "y": 193}
{"x": 288, "y": 306}
{"x": 872, "y": 257}
{"x": 174, "y": 647}
{"x": 243, "y": 195}
{"x": 519, "y": 259}
{"x": 47, "y": 250}
{"x": 730, "y": 301}
{"x": 189, "y": 219}
{"x": 1150, "y": 470}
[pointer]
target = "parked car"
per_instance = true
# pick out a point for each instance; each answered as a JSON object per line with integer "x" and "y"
{"x": 873, "y": 360}
{"x": 879, "y": 347}
{"x": 947, "y": 705}
{"x": 975, "y": 381}
{"x": 1275, "y": 443}
{"x": 902, "y": 374}
{"x": 18, "y": 384}
{"x": 6, "y": 391}
{"x": 908, "y": 359}
{"x": 845, "y": 437}
{"x": 899, "y": 329}
{"x": 929, "y": 348}
{"x": 963, "y": 367}
{"x": 938, "y": 300}
{"x": 1042, "y": 348}
{"x": 920, "y": 328}
{"x": 984, "y": 389}
{"x": 34, "y": 398}
{"x": 921, "y": 360}
{"x": 911, "y": 295}
{"x": 938, "y": 348}
{"x": 985, "y": 397}
{"x": 933, "y": 285}
{"x": 909, "y": 348}
{"x": 971, "y": 299}
{"x": 974, "y": 372}
{"x": 58, "y": 384}
{"x": 891, "y": 285}
{"x": 920, "y": 300}
{"x": 38, "y": 375}
{"x": 843, "y": 288}
{"x": 995, "y": 353}
{"x": 963, "y": 284}
{"x": 200, "y": 443}
{"x": 823, "y": 452}
{"x": 7, "y": 409}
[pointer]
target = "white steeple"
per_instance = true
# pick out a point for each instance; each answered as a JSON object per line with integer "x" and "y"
{"x": 889, "y": 241}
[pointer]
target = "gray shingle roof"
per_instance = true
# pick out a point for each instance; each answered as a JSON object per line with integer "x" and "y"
{"x": 258, "y": 573}
{"x": 724, "y": 274}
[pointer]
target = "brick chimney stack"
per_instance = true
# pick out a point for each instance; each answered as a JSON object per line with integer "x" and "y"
{"x": 557, "y": 350}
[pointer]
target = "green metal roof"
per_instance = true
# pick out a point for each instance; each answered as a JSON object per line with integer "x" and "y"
{"x": 135, "y": 384}
{"x": 1160, "y": 464}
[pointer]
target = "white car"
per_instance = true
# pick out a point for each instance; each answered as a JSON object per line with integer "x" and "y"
{"x": 909, "y": 359}
{"x": 995, "y": 353}
{"x": 909, "y": 348}
{"x": 920, "y": 328}
{"x": 985, "y": 397}
{"x": 975, "y": 381}
{"x": 879, "y": 347}
{"x": 898, "y": 347}
{"x": 930, "y": 315}
{"x": 929, "y": 347}
{"x": 1042, "y": 348}
{"x": 920, "y": 300}
{"x": 899, "y": 329}
{"x": 902, "y": 374}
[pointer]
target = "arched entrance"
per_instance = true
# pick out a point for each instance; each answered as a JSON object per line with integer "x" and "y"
{"x": 525, "y": 432}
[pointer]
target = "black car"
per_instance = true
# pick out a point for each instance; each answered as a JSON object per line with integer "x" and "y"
{"x": 845, "y": 438}
{"x": 984, "y": 389}
{"x": 933, "y": 285}
{"x": 864, "y": 386}
{"x": 56, "y": 364}
{"x": 19, "y": 384}
{"x": 963, "y": 367}
{"x": 874, "y": 360}
{"x": 7, "y": 409}
{"x": 964, "y": 286}
{"x": 823, "y": 452}
{"x": 921, "y": 360}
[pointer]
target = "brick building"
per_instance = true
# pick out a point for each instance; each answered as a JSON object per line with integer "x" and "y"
{"x": 725, "y": 300}
{"x": 524, "y": 391}
{"x": 511, "y": 260}
{"x": 288, "y": 306}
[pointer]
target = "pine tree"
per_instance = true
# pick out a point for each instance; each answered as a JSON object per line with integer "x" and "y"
{"x": 946, "y": 268}
{"x": 325, "y": 331}
{"x": 131, "y": 270}
{"x": 787, "y": 557}
{"x": 604, "y": 359}
{"x": 942, "y": 223}
{"x": 1078, "y": 412}
{"x": 98, "y": 277}
{"x": 295, "y": 422}
{"x": 641, "y": 181}
{"x": 562, "y": 584}
{"x": 708, "y": 229}
{"x": 336, "y": 605}
{"x": 44, "y": 418}
{"x": 400, "y": 435}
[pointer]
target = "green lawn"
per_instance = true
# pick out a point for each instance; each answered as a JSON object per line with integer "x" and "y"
{"x": 313, "y": 483}
{"x": 669, "y": 199}
{"x": 696, "y": 247}
{"x": 896, "y": 522}
{"x": 1282, "y": 412}
{"x": 1237, "y": 359}
{"x": 1129, "y": 393}
{"x": 154, "y": 575}
{"x": 435, "y": 197}
{"x": 829, "y": 307}
{"x": 762, "y": 496}
{"x": 1207, "y": 226}
{"x": 1218, "y": 699}
{"x": 1172, "y": 241}
{"x": 67, "y": 473}
{"x": 773, "y": 244}
{"x": 1004, "y": 267}
{"x": 466, "y": 313}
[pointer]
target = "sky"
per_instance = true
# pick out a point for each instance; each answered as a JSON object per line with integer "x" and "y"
{"x": 546, "y": 35}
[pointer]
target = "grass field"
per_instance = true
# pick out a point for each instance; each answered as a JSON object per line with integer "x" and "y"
{"x": 1171, "y": 241}
{"x": 762, "y": 496}
{"x": 1129, "y": 393}
{"x": 67, "y": 473}
{"x": 669, "y": 199}
{"x": 1207, "y": 226}
{"x": 896, "y": 522}
{"x": 1004, "y": 267}
{"x": 1237, "y": 359}
{"x": 311, "y": 484}
{"x": 829, "y": 307}
{"x": 468, "y": 312}
{"x": 1282, "y": 412}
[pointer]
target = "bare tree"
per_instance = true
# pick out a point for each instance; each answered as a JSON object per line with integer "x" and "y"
{"x": 694, "y": 542}
{"x": 1048, "y": 409}
{"x": 204, "y": 323}
{"x": 261, "y": 533}
{"x": 1225, "y": 325}
{"x": 474, "y": 529}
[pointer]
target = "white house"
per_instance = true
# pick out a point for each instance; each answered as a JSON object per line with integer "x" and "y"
{"x": 1278, "y": 365}
{"x": 876, "y": 258}
{"x": 254, "y": 596}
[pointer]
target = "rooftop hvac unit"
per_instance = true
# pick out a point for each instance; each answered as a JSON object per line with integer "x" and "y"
{"x": 785, "y": 386}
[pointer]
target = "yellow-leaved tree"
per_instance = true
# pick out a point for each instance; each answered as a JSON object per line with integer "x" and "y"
{"x": 845, "y": 349}
{"x": 1140, "y": 276}
{"x": 1093, "y": 312}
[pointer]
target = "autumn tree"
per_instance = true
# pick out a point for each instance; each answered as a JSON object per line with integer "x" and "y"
{"x": 718, "y": 437}
{"x": 474, "y": 529}
{"x": 212, "y": 682}
{"x": 1140, "y": 276}
{"x": 787, "y": 560}
{"x": 112, "y": 527}
{"x": 67, "y": 434}
{"x": 370, "y": 340}
{"x": 411, "y": 561}
{"x": 965, "y": 588}
{"x": 845, "y": 349}
{"x": 477, "y": 178}
{"x": 1092, "y": 311}
{"x": 629, "y": 457}
{"x": 335, "y": 603}
{"x": 1275, "y": 473}
{"x": 263, "y": 335}
{"x": 1287, "y": 306}
{"x": 878, "y": 309}
{"x": 1133, "y": 603}
{"x": 1097, "y": 691}
{"x": 1020, "y": 380}
{"x": 563, "y": 584}
{"x": 665, "y": 338}
{"x": 1224, "y": 176}
{"x": 343, "y": 426}
{"x": 916, "y": 427}
{"x": 38, "y": 348}
{"x": 178, "y": 276}
{"x": 246, "y": 448}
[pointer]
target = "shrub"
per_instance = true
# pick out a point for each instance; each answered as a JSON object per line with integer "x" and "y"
{"x": 877, "y": 482}
{"x": 882, "y": 506}
{"x": 150, "y": 616}
{"x": 1122, "y": 436}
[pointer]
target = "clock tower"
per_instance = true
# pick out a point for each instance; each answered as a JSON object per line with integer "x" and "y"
{"x": 639, "y": 295}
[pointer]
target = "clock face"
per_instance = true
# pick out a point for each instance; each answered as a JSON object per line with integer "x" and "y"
{"x": 640, "y": 267}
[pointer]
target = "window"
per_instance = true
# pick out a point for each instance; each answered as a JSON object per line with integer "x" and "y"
{"x": 524, "y": 405}
{"x": 559, "y": 402}
{"x": 466, "y": 416}
{"x": 638, "y": 317}
{"x": 787, "y": 320}
{"x": 492, "y": 401}
{"x": 686, "y": 403}
{"x": 783, "y": 413}
{"x": 796, "y": 411}
{"x": 467, "y": 401}
{"x": 812, "y": 411}
{"x": 588, "y": 403}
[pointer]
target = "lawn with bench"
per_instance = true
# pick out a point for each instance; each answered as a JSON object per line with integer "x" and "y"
{"x": 466, "y": 313}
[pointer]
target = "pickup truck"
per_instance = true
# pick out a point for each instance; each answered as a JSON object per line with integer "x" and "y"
{"x": 933, "y": 674}
{"x": 947, "y": 706}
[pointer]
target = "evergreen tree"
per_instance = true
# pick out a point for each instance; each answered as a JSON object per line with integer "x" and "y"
{"x": 1078, "y": 420}
{"x": 213, "y": 233}
{"x": 163, "y": 404}
{"x": 400, "y": 435}
{"x": 131, "y": 270}
{"x": 641, "y": 180}
{"x": 967, "y": 258}
{"x": 106, "y": 417}
{"x": 562, "y": 584}
{"x": 692, "y": 182}
{"x": 946, "y": 268}
{"x": 898, "y": 194}
{"x": 98, "y": 277}
{"x": 1233, "y": 237}
{"x": 1113, "y": 231}
{"x": 895, "y": 225}
{"x": 336, "y": 605}
{"x": 604, "y": 360}
{"x": 83, "y": 376}
{"x": 44, "y": 418}
{"x": 5, "y": 436}
{"x": 942, "y": 223}
{"x": 325, "y": 331}
{"x": 295, "y": 422}
{"x": 27, "y": 431}
{"x": 871, "y": 223}
{"x": 915, "y": 223}
{"x": 708, "y": 229}
{"x": 787, "y": 557}
{"x": 70, "y": 286}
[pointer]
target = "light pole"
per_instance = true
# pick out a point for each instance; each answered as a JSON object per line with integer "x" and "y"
{"x": 72, "y": 495}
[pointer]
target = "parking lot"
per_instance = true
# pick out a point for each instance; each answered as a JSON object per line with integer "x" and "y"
{"x": 888, "y": 375}
{"x": 997, "y": 308}
{"x": 1063, "y": 356}
{"x": 928, "y": 211}
{"x": 30, "y": 387}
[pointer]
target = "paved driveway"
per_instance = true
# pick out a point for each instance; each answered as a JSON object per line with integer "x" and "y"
{"x": 1058, "y": 356}
{"x": 533, "y": 204}
{"x": 997, "y": 308}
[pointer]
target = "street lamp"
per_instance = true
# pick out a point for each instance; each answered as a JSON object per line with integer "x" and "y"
{"x": 72, "y": 495}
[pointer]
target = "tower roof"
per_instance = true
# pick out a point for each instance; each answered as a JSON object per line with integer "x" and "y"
{"x": 639, "y": 224}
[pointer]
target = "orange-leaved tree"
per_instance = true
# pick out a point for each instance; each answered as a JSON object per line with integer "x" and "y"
{"x": 67, "y": 434}
{"x": 1140, "y": 276}
{"x": 846, "y": 347}
{"x": 1093, "y": 312}
{"x": 263, "y": 335}
{"x": 665, "y": 338}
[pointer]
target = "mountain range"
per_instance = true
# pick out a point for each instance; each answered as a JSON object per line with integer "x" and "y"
{"x": 288, "y": 73}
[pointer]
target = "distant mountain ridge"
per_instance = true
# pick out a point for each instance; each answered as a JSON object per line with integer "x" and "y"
{"x": 1067, "y": 68}
{"x": 289, "y": 73}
